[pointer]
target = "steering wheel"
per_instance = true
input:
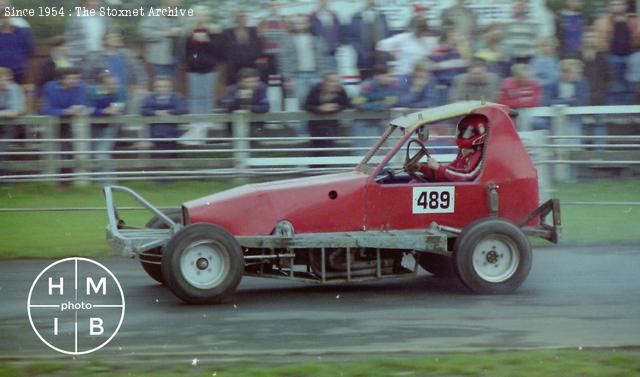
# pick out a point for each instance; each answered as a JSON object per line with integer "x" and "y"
{"x": 409, "y": 161}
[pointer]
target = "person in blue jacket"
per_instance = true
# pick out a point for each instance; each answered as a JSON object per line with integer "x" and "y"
{"x": 367, "y": 28}
{"x": 250, "y": 94}
{"x": 106, "y": 99}
{"x": 65, "y": 98}
{"x": 418, "y": 90}
{"x": 163, "y": 100}
{"x": 16, "y": 46}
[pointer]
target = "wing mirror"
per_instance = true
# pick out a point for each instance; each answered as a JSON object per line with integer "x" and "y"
{"x": 422, "y": 133}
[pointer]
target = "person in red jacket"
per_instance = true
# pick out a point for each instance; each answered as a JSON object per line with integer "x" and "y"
{"x": 520, "y": 90}
{"x": 472, "y": 131}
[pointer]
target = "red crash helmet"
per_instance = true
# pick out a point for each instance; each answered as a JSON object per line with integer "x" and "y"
{"x": 472, "y": 130}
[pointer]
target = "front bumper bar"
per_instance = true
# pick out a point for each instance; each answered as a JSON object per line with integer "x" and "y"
{"x": 131, "y": 241}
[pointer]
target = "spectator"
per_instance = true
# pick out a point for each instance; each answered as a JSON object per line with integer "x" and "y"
{"x": 17, "y": 46}
{"x": 65, "y": 98}
{"x": 596, "y": 73}
{"x": 203, "y": 53}
{"x": 521, "y": 33}
{"x": 520, "y": 90}
{"x": 162, "y": 37}
{"x": 418, "y": 89}
{"x": 303, "y": 60}
{"x": 569, "y": 29}
{"x": 367, "y": 28}
{"x": 477, "y": 84}
{"x": 106, "y": 99}
{"x": 493, "y": 53}
{"x": 84, "y": 33}
{"x": 163, "y": 100}
{"x": 545, "y": 67}
{"x": 120, "y": 62}
{"x": 459, "y": 20}
{"x": 620, "y": 34}
{"x": 633, "y": 74}
{"x": 327, "y": 97}
{"x": 572, "y": 90}
{"x": 446, "y": 64}
{"x": 379, "y": 93}
{"x": 325, "y": 24}
{"x": 243, "y": 48}
{"x": 408, "y": 48}
{"x": 248, "y": 94}
{"x": 57, "y": 60}
{"x": 12, "y": 104}
{"x": 272, "y": 30}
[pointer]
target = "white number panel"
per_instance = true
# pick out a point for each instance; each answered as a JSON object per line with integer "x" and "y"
{"x": 439, "y": 199}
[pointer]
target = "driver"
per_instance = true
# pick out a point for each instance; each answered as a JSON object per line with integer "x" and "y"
{"x": 472, "y": 131}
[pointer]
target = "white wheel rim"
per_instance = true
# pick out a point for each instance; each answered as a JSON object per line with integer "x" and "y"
{"x": 204, "y": 264}
{"x": 496, "y": 258}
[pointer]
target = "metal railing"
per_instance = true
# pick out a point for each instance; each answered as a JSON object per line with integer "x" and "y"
{"x": 243, "y": 155}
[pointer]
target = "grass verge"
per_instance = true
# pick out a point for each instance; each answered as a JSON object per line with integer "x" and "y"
{"x": 509, "y": 364}
{"x": 81, "y": 233}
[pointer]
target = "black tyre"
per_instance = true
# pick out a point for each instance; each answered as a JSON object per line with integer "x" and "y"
{"x": 492, "y": 256}
{"x": 202, "y": 264}
{"x": 151, "y": 260}
{"x": 438, "y": 265}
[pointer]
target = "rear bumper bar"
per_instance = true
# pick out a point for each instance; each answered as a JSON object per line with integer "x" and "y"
{"x": 548, "y": 230}
{"x": 130, "y": 241}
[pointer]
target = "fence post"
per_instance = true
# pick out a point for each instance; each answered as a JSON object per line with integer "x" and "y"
{"x": 561, "y": 171}
{"x": 81, "y": 131}
{"x": 51, "y": 131}
{"x": 239, "y": 132}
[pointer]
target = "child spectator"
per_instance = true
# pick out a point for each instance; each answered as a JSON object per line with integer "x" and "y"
{"x": 164, "y": 101}
{"x": 476, "y": 84}
{"x": 379, "y": 93}
{"x": 418, "y": 89}
{"x": 446, "y": 64}
{"x": 203, "y": 52}
{"x": 545, "y": 67}
{"x": 367, "y": 28}
{"x": 569, "y": 29}
{"x": 17, "y": 46}
{"x": 12, "y": 104}
{"x": 326, "y": 97}
{"x": 520, "y": 90}
{"x": 106, "y": 99}
{"x": 633, "y": 74}
{"x": 65, "y": 98}
{"x": 58, "y": 59}
{"x": 248, "y": 94}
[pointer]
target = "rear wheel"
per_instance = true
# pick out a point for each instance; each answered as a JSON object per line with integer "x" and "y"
{"x": 151, "y": 259}
{"x": 202, "y": 264}
{"x": 492, "y": 256}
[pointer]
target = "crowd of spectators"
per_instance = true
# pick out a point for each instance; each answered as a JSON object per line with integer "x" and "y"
{"x": 90, "y": 71}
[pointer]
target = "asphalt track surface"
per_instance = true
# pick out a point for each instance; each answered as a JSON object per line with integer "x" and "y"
{"x": 574, "y": 297}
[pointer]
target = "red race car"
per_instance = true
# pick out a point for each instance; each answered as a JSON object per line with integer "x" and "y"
{"x": 383, "y": 219}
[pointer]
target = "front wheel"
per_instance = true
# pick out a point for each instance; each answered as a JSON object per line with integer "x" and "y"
{"x": 202, "y": 264}
{"x": 492, "y": 256}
